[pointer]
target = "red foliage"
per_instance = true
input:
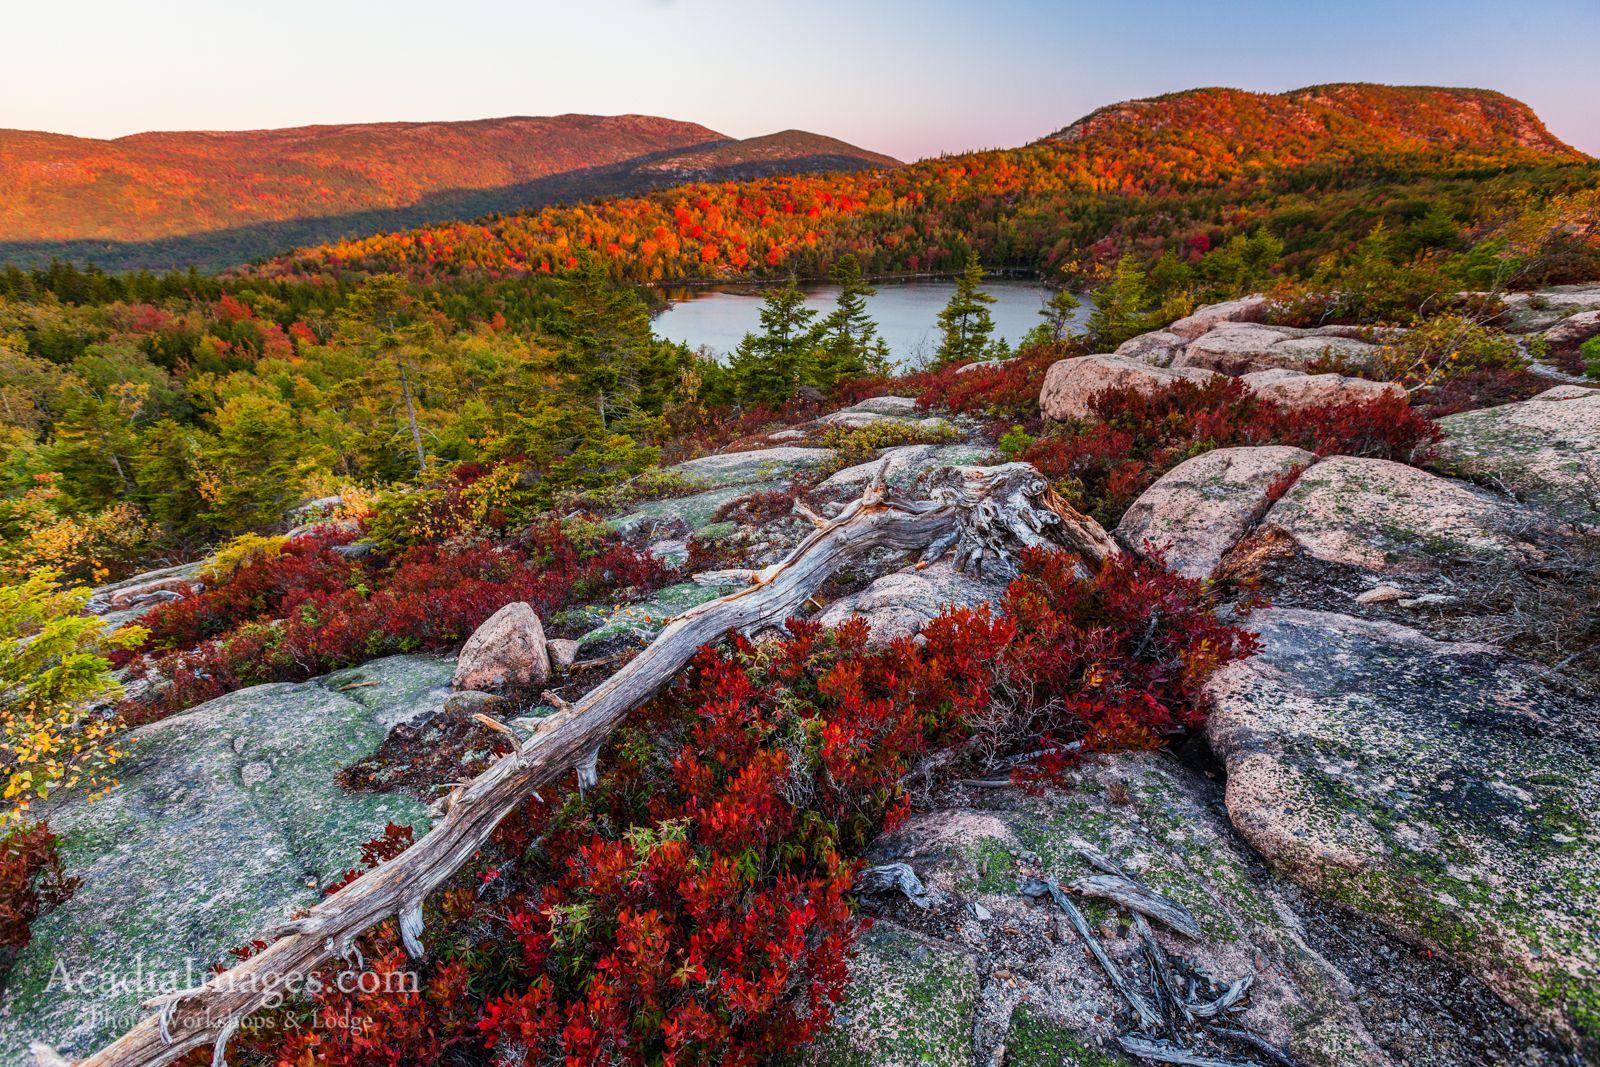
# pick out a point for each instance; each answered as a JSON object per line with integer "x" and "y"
{"x": 1140, "y": 436}
{"x": 332, "y": 613}
{"x": 693, "y": 907}
{"x": 32, "y": 881}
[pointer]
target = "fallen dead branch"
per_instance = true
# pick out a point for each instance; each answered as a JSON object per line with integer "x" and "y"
{"x": 984, "y": 515}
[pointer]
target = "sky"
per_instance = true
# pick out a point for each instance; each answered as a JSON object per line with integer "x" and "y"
{"x": 912, "y": 79}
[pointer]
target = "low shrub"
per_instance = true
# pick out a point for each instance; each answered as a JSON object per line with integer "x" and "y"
{"x": 1439, "y": 349}
{"x": 308, "y": 610}
{"x": 1589, "y": 355}
{"x": 852, "y": 445}
{"x": 32, "y": 881}
{"x": 1102, "y": 465}
{"x": 694, "y": 906}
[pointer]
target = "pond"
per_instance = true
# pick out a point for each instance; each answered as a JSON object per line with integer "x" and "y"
{"x": 907, "y": 314}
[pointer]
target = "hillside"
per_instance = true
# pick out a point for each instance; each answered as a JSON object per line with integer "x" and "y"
{"x": 1321, "y": 166}
{"x": 218, "y": 198}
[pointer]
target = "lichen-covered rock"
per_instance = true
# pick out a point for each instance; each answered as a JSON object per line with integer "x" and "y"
{"x": 910, "y": 1003}
{"x": 1205, "y": 505}
{"x": 744, "y": 468}
{"x": 1440, "y": 788}
{"x": 895, "y": 406}
{"x": 901, "y": 604}
{"x": 1532, "y": 312}
{"x": 1389, "y": 517}
{"x": 641, "y": 621}
{"x": 1568, "y": 334}
{"x": 1207, "y": 316}
{"x": 1546, "y": 448}
{"x": 1163, "y": 826}
{"x": 505, "y": 654}
{"x": 1242, "y": 347}
{"x": 120, "y": 604}
{"x": 1298, "y": 391}
{"x": 1069, "y": 384}
{"x": 1157, "y": 348}
{"x": 224, "y": 818}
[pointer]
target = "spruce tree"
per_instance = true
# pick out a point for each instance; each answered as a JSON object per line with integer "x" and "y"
{"x": 965, "y": 324}
{"x": 851, "y": 346}
{"x": 1122, "y": 306}
{"x": 1055, "y": 320}
{"x": 770, "y": 367}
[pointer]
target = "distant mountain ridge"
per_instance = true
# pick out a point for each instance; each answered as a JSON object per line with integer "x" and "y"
{"x": 1320, "y": 164}
{"x": 1376, "y": 117}
{"x": 215, "y": 198}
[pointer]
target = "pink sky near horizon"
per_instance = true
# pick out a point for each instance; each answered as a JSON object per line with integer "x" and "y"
{"x": 909, "y": 79}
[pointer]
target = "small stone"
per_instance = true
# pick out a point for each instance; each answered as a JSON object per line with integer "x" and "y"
{"x": 1381, "y": 595}
{"x": 981, "y": 913}
{"x": 563, "y": 653}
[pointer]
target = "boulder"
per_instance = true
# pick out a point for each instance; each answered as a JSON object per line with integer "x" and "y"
{"x": 1158, "y": 348}
{"x": 1241, "y": 347}
{"x": 1388, "y": 517}
{"x": 1439, "y": 788}
{"x": 1069, "y": 384}
{"x": 1205, "y": 505}
{"x": 132, "y": 596}
{"x": 506, "y": 654}
{"x": 901, "y": 604}
{"x": 1298, "y": 391}
{"x": 1546, "y": 449}
{"x": 563, "y": 654}
{"x": 1206, "y": 316}
{"x": 224, "y": 819}
{"x": 1568, "y": 334}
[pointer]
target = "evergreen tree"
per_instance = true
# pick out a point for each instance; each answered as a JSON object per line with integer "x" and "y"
{"x": 1055, "y": 320}
{"x": 379, "y": 319}
{"x": 1122, "y": 306}
{"x": 770, "y": 367}
{"x": 252, "y": 463}
{"x": 965, "y": 324}
{"x": 851, "y": 346}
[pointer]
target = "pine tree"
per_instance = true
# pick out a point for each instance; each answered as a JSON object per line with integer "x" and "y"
{"x": 851, "y": 346}
{"x": 1122, "y": 306}
{"x": 772, "y": 366}
{"x": 965, "y": 324}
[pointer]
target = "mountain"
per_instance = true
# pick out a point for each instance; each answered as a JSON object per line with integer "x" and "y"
{"x": 214, "y": 198}
{"x": 1319, "y": 167}
{"x": 1323, "y": 118}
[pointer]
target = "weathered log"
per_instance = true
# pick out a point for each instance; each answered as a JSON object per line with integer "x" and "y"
{"x": 1122, "y": 890}
{"x": 1167, "y": 1052}
{"x": 986, "y": 513}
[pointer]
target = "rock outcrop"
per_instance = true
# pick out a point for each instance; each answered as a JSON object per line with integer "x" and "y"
{"x": 1546, "y": 448}
{"x": 1069, "y": 384}
{"x": 1441, "y": 789}
{"x": 506, "y": 654}
{"x": 1298, "y": 391}
{"x": 1242, "y": 347}
{"x": 1206, "y": 317}
{"x": 1201, "y": 508}
{"x": 1570, "y": 333}
{"x": 224, "y": 818}
{"x": 1391, "y": 518}
{"x": 901, "y": 604}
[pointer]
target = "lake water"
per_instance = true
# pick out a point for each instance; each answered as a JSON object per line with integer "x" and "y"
{"x": 907, "y": 314}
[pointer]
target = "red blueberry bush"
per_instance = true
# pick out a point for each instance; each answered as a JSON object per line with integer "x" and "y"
{"x": 694, "y": 907}
{"x": 1103, "y": 465}
{"x": 308, "y": 610}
